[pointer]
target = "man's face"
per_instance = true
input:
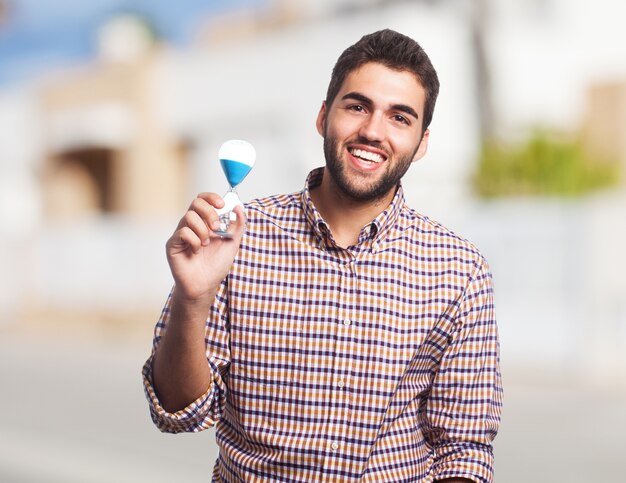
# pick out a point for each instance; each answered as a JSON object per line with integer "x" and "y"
{"x": 372, "y": 131}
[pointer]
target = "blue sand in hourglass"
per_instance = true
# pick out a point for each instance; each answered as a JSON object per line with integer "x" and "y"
{"x": 235, "y": 171}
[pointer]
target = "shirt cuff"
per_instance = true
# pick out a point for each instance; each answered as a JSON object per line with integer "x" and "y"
{"x": 190, "y": 419}
{"x": 464, "y": 460}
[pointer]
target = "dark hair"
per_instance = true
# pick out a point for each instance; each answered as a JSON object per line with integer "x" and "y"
{"x": 395, "y": 51}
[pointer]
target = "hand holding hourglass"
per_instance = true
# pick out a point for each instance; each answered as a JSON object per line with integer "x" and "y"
{"x": 237, "y": 159}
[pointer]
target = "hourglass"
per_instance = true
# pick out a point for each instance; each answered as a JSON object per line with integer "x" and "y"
{"x": 237, "y": 158}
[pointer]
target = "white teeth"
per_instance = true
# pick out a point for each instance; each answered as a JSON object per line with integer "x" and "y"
{"x": 367, "y": 156}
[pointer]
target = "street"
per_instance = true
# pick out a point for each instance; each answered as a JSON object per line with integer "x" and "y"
{"x": 73, "y": 411}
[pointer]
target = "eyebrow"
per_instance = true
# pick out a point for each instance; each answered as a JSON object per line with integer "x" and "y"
{"x": 357, "y": 96}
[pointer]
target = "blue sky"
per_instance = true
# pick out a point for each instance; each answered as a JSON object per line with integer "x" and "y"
{"x": 42, "y": 34}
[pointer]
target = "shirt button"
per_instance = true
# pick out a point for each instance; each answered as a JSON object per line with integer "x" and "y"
{"x": 334, "y": 446}
{"x": 347, "y": 322}
{"x": 341, "y": 384}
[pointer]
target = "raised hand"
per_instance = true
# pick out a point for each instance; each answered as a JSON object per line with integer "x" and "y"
{"x": 199, "y": 260}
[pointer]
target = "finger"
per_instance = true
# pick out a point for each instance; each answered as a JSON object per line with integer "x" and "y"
{"x": 184, "y": 239}
{"x": 239, "y": 224}
{"x": 212, "y": 199}
{"x": 206, "y": 210}
{"x": 194, "y": 221}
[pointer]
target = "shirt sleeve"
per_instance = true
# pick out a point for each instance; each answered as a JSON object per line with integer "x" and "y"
{"x": 205, "y": 411}
{"x": 463, "y": 410}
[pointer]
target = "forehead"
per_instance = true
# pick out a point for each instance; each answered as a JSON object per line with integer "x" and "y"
{"x": 385, "y": 85}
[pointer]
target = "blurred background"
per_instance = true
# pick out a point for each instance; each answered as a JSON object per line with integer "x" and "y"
{"x": 111, "y": 115}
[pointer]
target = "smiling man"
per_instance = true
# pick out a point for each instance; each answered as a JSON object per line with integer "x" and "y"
{"x": 338, "y": 335}
{"x": 372, "y": 133}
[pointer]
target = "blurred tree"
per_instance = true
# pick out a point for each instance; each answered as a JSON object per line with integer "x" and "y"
{"x": 478, "y": 13}
{"x": 479, "y": 28}
{"x": 543, "y": 165}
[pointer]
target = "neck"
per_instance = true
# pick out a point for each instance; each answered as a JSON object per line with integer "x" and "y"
{"x": 344, "y": 215}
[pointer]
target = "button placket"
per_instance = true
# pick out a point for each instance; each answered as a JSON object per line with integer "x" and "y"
{"x": 340, "y": 413}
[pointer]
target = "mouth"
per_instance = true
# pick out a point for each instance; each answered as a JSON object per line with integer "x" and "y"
{"x": 369, "y": 157}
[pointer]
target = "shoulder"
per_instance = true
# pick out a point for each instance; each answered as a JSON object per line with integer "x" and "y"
{"x": 277, "y": 216}
{"x": 431, "y": 236}
{"x": 274, "y": 206}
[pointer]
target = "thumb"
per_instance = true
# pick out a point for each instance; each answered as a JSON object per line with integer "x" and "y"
{"x": 239, "y": 225}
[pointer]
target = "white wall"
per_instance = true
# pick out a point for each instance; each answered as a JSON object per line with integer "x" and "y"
{"x": 547, "y": 52}
{"x": 270, "y": 91}
{"x": 20, "y": 153}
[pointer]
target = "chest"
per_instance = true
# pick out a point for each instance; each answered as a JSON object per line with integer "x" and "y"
{"x": 299, "y": 314}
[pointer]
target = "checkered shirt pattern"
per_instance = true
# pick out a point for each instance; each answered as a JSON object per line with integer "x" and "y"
{"x": 375, "y": 363}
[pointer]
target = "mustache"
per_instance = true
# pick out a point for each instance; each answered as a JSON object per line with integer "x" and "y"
{"x": 367, "y": 142}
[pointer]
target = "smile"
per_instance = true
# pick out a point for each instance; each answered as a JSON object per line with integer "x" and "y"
{"x": 366, "y": 155}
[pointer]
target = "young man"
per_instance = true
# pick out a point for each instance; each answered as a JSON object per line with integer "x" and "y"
{"x": 339, "y": 335}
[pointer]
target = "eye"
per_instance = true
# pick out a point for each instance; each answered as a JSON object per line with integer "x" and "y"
{"x": 356, "y": 108}
{"x": 401, "y": 119}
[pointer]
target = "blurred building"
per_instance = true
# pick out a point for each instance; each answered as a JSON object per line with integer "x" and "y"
{"x": 104, "y": 133}
{"x": 98, "y": 162}
{"x": 117, "y": 147}
{"x": 604, "y": 124}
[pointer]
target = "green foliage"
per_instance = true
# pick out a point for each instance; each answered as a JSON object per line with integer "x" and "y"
{"x": 542, "y": 166}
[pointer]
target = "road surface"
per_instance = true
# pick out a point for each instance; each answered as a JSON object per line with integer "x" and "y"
{"x": 73, "y": 411}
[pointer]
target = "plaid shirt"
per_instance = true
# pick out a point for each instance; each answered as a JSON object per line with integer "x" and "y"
{"x": 375, "y": 363}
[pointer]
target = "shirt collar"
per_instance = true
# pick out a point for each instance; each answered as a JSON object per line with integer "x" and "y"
{"x": 313, "y": 217}
{"x": 377, "y": 230}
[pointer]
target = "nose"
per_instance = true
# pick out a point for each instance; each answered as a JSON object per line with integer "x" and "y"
{"x": 373, "y": 127}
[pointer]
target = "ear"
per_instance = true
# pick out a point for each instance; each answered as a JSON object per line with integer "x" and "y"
{"x": 423, "y": 147}
{"x": 321, "y": 119}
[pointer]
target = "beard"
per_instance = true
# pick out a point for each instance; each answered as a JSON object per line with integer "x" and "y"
{"x": 375, "y": 190}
